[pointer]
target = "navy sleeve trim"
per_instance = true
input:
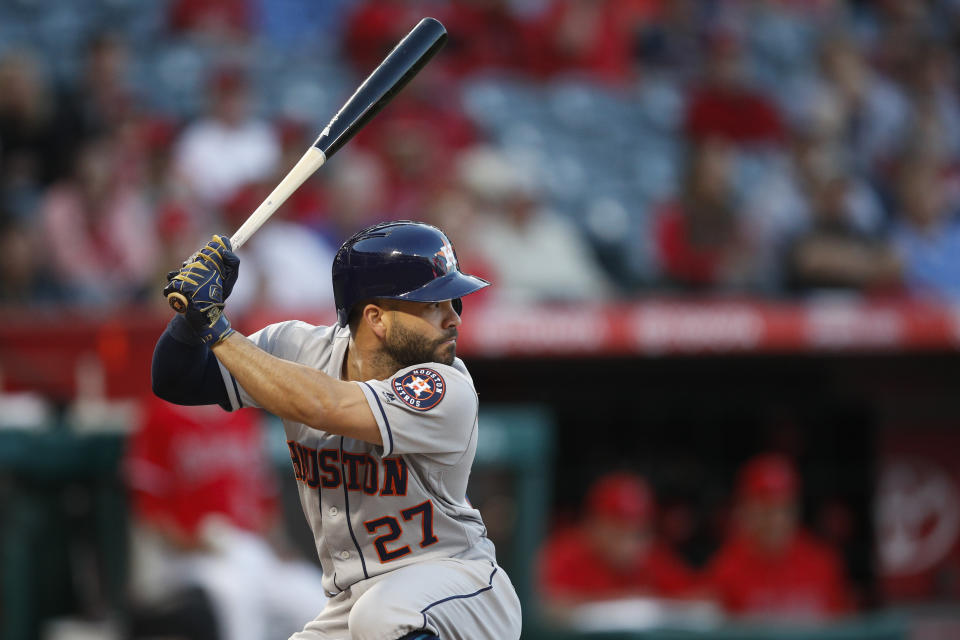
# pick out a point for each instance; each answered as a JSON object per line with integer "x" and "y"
{"x": 236, "y": 390}
{"x": 385, "y": 420}
{"x": 459, "y": 597}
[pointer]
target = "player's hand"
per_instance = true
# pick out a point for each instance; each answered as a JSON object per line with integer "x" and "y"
{"x": 219, "y": 249}
{"x": 205, "y": 280}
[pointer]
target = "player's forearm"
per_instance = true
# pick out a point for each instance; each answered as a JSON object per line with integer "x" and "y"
{"x": 296, "y": 392}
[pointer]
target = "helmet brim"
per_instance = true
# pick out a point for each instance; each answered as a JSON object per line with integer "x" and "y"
{"x": 449, "y": 287}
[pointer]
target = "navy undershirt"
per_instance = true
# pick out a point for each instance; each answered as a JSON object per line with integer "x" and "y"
{"x": 185, "y": 371}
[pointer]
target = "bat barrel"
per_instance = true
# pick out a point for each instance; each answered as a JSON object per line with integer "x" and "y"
{"x": 397, "y": 69}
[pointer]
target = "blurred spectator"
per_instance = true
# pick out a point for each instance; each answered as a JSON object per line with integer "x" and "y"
{"x": 934, "y": 126}
{"x": 700, "y": 239}
{"x": 770, "y": 568}
{"x": 416, "y": 141}
{"x": 30, "y": 151}
{"x": 486, "y": 35}
{"x": 175, "y": 213}
{"x": 613, "y": 553}
{"x": 781, "y": 205}
{"x": 899, "y": 30}
{"x": 483, "y": 34}
{"x": 216, "y": 21}
{"x": 374, "y": 27}
{"x": 671, "y": 44}
{"x": 781, "y": 37}
{"x": 103, "y": 98}
{"x": 99, "y": 234}
{"x": 724, "y": 106}
{"x": 854, "y": 105}
{"x": 356, "y": 196}
{"x": 297, "y": 26}
{"x": 205, "y": 507}
{"x": 586, "y": 37}
{"x": 927, "y": 232}
{"x": 227, "y": 148}
{"x": 23, "y": 279}
{"x": 833, "y": 252}
{"x": 537, "y": 255}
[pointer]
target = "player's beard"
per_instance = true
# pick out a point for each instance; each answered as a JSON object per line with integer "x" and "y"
{"x": 408, "y": 348}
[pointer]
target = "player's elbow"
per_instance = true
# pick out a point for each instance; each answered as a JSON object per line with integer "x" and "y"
{"x": 159, "y": 388}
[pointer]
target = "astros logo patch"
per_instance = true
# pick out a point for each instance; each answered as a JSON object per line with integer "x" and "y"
{"x": 422, "y": 389}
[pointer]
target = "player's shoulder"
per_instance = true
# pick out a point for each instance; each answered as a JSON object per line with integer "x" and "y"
{"x": 432, "y": 384}
{"x": 462, "y": 369}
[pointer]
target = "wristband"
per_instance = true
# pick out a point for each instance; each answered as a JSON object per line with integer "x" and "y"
{"x": 216, "y": 332}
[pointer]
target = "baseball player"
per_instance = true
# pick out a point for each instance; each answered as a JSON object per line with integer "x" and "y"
{"x": 381, "y": 422}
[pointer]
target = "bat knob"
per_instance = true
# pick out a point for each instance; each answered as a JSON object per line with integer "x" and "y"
{"x": 177, "y": 301}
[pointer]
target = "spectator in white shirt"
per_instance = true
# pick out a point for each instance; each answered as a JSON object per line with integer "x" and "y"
{"x": 227, "y": 148}
{"x": 538, "y": 255}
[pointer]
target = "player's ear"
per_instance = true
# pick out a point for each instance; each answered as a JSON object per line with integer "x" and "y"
{"x": 375, "y": 317}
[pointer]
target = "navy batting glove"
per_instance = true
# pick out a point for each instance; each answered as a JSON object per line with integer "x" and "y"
{"x": 205, "y": 280}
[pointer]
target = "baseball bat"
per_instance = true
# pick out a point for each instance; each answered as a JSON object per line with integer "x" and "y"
{"x": 397, "y": 69}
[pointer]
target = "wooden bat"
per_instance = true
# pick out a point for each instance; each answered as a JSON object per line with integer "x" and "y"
{"x": 396, "y": 70}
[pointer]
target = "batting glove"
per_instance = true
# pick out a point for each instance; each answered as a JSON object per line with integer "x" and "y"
{"x": 205, "y": 280}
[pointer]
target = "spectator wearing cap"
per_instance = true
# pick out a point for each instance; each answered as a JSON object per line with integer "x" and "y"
{"x": 540, "y": 255}
{"x": 613, "y": 553}
{"x": 770, "y": 567}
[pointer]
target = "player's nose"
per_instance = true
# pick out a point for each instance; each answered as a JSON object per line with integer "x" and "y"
{"x": 451, "y": 318}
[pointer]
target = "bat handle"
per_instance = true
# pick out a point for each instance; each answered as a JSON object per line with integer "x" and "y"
{"x": 177, "y": 301}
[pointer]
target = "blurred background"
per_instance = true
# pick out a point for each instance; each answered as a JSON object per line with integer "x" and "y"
{"x": 718, "y": 366}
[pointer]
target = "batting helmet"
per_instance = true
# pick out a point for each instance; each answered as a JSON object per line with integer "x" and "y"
{"x": 402, "y": 260}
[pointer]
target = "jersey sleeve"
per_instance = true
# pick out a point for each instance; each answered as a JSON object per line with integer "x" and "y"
{"x": 283, "y": 339}
{"x": 429, "y": 409}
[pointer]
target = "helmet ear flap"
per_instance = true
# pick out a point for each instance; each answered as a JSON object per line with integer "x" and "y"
{"x": 458, "y": 306}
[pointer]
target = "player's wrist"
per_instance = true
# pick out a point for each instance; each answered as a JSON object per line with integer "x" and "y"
{"x": 217, "y": 332}
{"x": 211, "y": 326}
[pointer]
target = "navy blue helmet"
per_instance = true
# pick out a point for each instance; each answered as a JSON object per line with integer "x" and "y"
{"x": 401, "y": 260}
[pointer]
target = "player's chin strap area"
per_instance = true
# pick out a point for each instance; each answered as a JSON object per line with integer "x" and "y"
{"x": 419, "y": 635}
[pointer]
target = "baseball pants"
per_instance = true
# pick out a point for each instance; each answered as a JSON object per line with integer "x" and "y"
{"x": 452, "y": 598}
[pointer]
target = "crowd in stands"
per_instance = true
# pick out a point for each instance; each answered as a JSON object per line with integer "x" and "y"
{"x": 573, "y": 149}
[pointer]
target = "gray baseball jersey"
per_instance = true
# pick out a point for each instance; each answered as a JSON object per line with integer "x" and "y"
{"x": 378, "y": 509}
